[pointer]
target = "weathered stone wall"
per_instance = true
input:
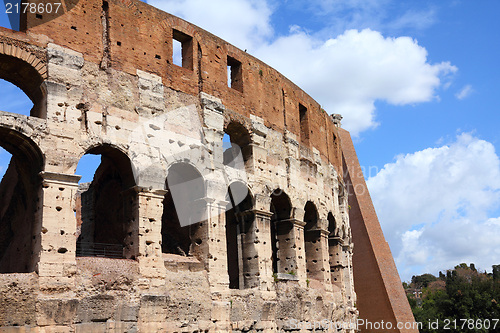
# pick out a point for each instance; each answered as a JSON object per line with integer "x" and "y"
{"x": 105, "y": 84}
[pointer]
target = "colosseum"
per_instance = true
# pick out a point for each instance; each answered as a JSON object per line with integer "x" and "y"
{"x": 226, "y": 199}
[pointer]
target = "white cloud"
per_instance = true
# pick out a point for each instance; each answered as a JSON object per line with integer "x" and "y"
{"x": 418, "y": 19}
{"x": 433, "y": 206}
{"x": 494, "y": 221}
{"x": 243, "y": 23}
{"x": 345, "y": 74}
{"x": 381, "y": 15}
{"x": 464, "y": 92}
{"x": 412, "y": 251}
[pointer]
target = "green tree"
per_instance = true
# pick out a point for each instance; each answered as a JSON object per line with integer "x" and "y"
{"x": 422, "y": 281}
{"x": 464, "y": 293}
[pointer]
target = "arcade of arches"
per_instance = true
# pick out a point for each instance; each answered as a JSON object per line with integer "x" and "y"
{"x": 171, "y": 228}
{"x": 107, "y": 220}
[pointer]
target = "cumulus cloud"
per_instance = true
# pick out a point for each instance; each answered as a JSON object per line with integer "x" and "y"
{"x": 244, "y": 23}
{"x": 380, "y": 15}
{"x": 436, "y": 202}
{"x": 464, "y": 92}
{"x": 418, "y": 19}
{"x": 346, "y": 74}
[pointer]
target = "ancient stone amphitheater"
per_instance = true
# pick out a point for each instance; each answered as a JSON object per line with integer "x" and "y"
{"x": 176, "y": 233}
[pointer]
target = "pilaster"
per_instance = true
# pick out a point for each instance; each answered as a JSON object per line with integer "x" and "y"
{"x": 324, "y": 262}
{"x": 300, "y": 251}
{"x": 211, "y": 235}
{"x": 336, "y": 262}
{"x": 148, "y": 219}
{"x": 57, "y": 222}
{"x": 291, "y": 252}
{"x": 263, "y": 248}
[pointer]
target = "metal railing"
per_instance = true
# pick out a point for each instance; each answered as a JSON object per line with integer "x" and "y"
{"x": 87, "y": 249}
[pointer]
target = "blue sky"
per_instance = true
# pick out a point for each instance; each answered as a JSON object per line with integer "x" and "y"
{"x": 417, "y": 83}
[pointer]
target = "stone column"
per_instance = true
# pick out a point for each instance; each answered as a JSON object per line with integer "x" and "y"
{"x": 248, "y": 258}
{"x": 324, "y": 261}
{"x": 336, "y": 262}
{"x": 317, "y": 254}
{"x": 348, "y": 276}
{"x": 291, "y": 251}
{"x": 148, "y": 215}
{"x": 299, "y": 251}
{"x": 210, "y": 243}
{"x": 57, "y": 229}
{"x": 263, "y": 247}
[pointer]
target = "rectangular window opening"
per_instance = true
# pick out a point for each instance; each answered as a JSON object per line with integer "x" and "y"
{"x": 304, "y": 123}
{"x": 182, "y": 45}
{"x": 234, "y": 74}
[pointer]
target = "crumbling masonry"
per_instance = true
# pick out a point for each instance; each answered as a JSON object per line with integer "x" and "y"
{"x": 114, "y": 255}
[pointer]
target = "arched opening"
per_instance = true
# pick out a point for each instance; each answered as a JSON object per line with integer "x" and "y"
{"x": 105, "y": 217}
{"x": 242, "y": 260}
{"x": 239, "y": 143}
{"x": 27, "y": 79}
{"x": 19, "y": 200}
{"x": 312, "y": 239}
{"x": 13, "y": 99}
{"x": 5, "y": 158}
{"x": 334, "y": 251}
{"x": 183, "y": 208}
{"x": 282, "y": 243}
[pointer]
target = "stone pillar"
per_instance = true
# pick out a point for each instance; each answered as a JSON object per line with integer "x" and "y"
{"x": 57, "y": 223}
{"x": 348, "y": 276}
{"x": 247, "y": 253}
{"x": 148, "y": 214}
{"x": 210, "y": 240}
{"x": 291, "y": 251}
{"x": 317, "y": 256}
{"x": 325, "y": 260}
{"x": 336, "y": 262}
{"x": 263, "y": 247}
{"x": 299, "y": 251}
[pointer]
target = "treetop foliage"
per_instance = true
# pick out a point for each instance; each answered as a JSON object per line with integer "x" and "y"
{"x": 461, "y": 293}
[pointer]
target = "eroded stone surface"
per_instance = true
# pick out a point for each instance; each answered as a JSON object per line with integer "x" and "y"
{"x": 121, "y": 254}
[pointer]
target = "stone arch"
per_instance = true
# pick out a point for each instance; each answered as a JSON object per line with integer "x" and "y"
{"x": 184, "y": 207}
{"x": 240, "y": 142}
{"x": 19, "y": 144}
{"x": 19, "y": 200}
{"x": 193, "y": 158}
{"x": 282, "y": 244}
{"x": 27, "y": 71}
{"x": 242, "y": 259}
{"x": 312, "y": 240}
{"x": 106, "y": 219}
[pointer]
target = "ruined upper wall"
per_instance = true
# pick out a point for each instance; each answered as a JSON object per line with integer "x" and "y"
{"x": 131, "y": 35}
